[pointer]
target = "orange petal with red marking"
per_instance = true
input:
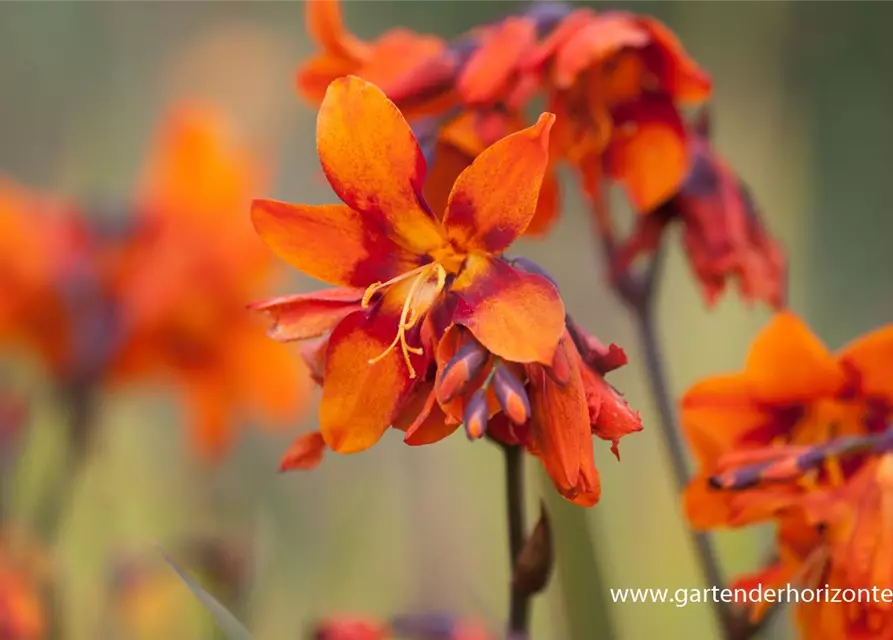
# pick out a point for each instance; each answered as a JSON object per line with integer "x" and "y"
{"x": 373, "y": 162}
{"x": 305, "y": 453}
{"x": 872, "y": 356}
{"x": 361, "y": 400}
{"x": 308, "y": 315}
{"x": 648, "y": 153}
{"x": 788, "y": 363}
{"x": 494, "y": 199}
{"x": 517, "y": 316}
{"x": 331, "y": 242}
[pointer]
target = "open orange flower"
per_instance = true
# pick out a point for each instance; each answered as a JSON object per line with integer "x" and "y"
{"x": 793, "y": 391}
{"x": 385, "y": 240}
{"x": 431, "y": 326}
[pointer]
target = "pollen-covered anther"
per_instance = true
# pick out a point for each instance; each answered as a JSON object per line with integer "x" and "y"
{"x": 418, "y": 300}
{"x": 476, "y": 415}
{"x": 461, "y": 370}
{"x": 511, "y": 395}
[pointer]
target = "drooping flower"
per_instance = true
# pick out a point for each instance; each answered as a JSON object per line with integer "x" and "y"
{"x": 792, "y": 391}
{"x": 431, "y": 327}
{"x": 723, "y": 234}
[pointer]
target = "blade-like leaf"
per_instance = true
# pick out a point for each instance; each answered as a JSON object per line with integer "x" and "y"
{"x": 227, "y": 622}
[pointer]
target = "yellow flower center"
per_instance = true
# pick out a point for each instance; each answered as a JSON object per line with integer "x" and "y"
{"x": 421, "y": 294}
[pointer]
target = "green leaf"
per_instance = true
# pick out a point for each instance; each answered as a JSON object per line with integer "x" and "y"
{"x": 583, "y": 588}
{"x": 227, "y": 622}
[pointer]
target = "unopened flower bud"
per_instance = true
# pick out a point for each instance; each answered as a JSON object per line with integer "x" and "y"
{"x": 461, "y": 370}
{"x": 476, "y": 414}
{"x": 511, "y": 395}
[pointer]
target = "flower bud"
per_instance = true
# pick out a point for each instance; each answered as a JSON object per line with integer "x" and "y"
{"x": 461, "y": 370}
{"x": 511, "y": 395}
{"x": 533, "y": 566}
{"x": 476, "y": 414}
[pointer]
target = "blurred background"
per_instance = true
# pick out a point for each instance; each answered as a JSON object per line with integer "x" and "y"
{"x": 802, "y": 108}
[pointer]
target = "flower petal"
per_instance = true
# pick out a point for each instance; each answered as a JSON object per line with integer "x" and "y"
{"x": 517, "y": 316}
{"x": 308, "y": 315}
{"x": 715, "y": 413}
{"x": 373, "y": 162}
{"x": 610, "y": 415}
{"x": 326, "y": 27}
{"x": 332, "y": 243}
{"x": 305, "y": 453}
{"x": 648, "y": 153}
{"x": 361, "y": 400}
{"x": 678, "y": 74}
{"x": 422, "y": 418}
{"x": 494, "y": 199}
{"x": 492, "y": 66}
{"x": 314, "y": 76}
{"x": 872, "y": 356}
{"x": 560, "y": 428}
{"x": 788, "y": 363}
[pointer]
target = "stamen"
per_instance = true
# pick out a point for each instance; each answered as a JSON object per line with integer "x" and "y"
{"x": 409, "y": 315}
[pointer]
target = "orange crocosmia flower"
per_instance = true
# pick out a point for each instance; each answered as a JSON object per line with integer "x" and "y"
{"x": 792, "y": 391}
{"x": 837, "y": 539}
{"x": 41, "y": 244}
{"x": 723, "y": 234}
{"x": 196, "y": 184}
{"x": 386, "y": 60}
{"x": 386, "y": 240}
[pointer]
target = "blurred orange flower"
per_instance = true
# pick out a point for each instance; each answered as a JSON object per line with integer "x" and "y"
{"x": 427, "y": 331}
{"x": 197, "y": 183}
{"x": 793, "y": 391}
{"x": 120, "y": 306}
{"x": 23, "y": 570}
